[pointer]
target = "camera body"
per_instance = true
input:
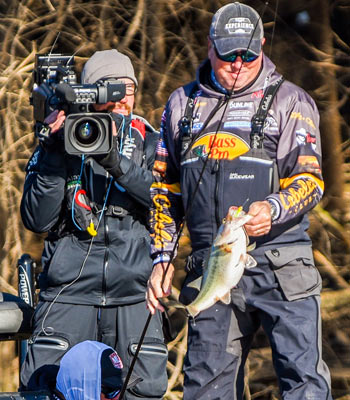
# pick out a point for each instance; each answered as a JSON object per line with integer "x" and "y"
{"x": 55, "y": 87}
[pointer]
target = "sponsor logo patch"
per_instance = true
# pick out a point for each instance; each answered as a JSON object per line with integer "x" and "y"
{"x": 304, "y": 138}
{"x": 116, "y": 360}
{"x": 258, "y": 95}
{"x": 160, "y": 166}
{"x": 235, "y": 175}
{"x": 239, "y": 25}
{"x": 197, "y": 126}
{"x": 310, "y": 164}
{"x": 240, "y": 104}
{"x": 34, "y": 160}
{"x": 224, "y": 146}
{"x": 237, "y": 124}
{"x": 300, "y": 117}
{"x": 129, "y": 147}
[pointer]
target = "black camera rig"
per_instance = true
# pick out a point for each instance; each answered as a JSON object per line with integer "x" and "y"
{"x": 56, "y": 88}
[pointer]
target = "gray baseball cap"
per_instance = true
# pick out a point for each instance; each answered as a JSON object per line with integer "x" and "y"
{"x": 236, "y": 27}
{"x": 107, "y": 64}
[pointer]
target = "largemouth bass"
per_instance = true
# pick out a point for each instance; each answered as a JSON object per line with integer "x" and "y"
{"x": 227, "y": 261}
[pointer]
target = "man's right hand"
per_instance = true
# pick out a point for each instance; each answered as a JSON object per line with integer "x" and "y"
{"x": 55, "y": 120}
{"x": 159, "y": 285}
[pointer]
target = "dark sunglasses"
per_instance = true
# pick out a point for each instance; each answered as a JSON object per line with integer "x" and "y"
{"x": 246, "y": 56}
{"x": 110, "y": 393}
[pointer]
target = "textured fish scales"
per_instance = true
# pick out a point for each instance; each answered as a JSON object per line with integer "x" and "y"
{"x": 226, "y": 264}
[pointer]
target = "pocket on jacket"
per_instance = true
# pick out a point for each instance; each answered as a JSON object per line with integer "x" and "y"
{"x": 66, "y": 261}
{"x": 151, "y": 367}
{"x": 295, "y": 271}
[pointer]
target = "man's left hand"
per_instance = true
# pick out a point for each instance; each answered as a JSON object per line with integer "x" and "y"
{"x": 260, "y": 224}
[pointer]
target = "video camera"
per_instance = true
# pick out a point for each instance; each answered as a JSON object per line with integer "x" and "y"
{"x": 55, "y": 87}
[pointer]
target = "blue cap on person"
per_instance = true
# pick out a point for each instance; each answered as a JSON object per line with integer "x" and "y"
{"x": 91, "y": 370}
{"x": 236, "y": 27}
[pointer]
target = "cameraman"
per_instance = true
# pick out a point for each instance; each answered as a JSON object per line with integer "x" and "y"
{"x": 96, "y": 259}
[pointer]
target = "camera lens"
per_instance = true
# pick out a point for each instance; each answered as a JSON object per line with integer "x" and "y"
{"x": 87, "y": 132}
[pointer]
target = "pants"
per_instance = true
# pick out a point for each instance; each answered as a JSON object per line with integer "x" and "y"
{"x": 282, "y": 296}
{"x": 57, "y": 329}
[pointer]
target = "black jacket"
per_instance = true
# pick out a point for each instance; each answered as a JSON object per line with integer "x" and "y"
{"x": 116, "y": 268}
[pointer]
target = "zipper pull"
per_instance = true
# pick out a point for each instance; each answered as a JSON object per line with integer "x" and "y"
{"x": 215, "y": 167}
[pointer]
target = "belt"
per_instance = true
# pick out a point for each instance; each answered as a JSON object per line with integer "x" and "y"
{"x": 111, "y": 211}
{"x": 116, "y": 211}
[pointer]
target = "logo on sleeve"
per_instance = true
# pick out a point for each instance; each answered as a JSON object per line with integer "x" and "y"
{"x": 304, "y": 138}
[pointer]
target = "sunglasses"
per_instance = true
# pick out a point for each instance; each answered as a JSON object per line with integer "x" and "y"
{"x": 246, "y": 56}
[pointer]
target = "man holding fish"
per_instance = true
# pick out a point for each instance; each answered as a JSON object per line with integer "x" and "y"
{"x": 231, "y": 138}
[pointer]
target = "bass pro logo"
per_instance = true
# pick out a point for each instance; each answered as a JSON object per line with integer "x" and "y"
{"x": 222, "y": 146}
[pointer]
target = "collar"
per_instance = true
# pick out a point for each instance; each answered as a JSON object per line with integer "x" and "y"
{"x": 216, "y": 83}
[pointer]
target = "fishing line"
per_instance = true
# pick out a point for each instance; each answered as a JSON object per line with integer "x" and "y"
{"x": 274, "y": 26}
{"x": 188, "y": 209}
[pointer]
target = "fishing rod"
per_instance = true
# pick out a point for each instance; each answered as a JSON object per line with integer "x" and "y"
{"x": 227, "y": 97}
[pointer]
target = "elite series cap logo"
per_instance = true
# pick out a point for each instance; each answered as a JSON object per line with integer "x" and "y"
{"x": 239, "y": 26}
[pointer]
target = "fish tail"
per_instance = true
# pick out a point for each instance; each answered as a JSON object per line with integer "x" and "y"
{"x": 192, "y": 310}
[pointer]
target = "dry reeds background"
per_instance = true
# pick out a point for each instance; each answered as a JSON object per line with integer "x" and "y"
{"x": 166, "y": 40}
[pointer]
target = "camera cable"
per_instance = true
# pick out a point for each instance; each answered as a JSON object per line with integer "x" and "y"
{"x": 43, "y": 328}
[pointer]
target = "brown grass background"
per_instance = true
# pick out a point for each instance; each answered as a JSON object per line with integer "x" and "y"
{"x": 166, "y": 40}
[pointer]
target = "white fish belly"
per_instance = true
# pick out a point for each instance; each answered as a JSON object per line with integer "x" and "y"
{"x": 223, "y": 273}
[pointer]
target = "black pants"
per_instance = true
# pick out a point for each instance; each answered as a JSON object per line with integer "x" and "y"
{"x": 57, "y": 329}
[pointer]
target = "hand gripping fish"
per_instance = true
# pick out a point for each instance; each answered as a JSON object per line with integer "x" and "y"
{"x": 227, "y": 260}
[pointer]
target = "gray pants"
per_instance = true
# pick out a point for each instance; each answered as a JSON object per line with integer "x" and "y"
{"x": 281, "y": 294}
{"x": 119, "y": 327}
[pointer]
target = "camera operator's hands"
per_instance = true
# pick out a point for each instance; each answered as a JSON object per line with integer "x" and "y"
{"x": 49, "y": 133}
{"x": 111, "y": 161}
{"x": 55, "y": 120}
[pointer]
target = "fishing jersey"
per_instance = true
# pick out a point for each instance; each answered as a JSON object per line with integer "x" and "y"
{"x": 60, "y": 193}
{"x": 220, "y": 169}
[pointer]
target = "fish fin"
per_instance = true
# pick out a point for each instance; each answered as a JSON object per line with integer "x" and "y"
{"x": 206, "y": 262}
{"x": 251, "y": 247}
{"x": 226, "y": 248}
{"x": 226, "y": 298}
{"x": 171, "y": 303}
{"x": 196, "y": 284}
{"x": 192, "y": 311}
{"x": 250, "y": 262}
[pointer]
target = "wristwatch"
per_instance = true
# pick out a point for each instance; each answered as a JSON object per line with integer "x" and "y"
{"x": 274, "y": 210}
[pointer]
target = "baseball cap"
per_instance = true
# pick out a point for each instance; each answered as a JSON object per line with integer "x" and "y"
{"x": 235, "y": 27}
{"x": 111, "y": 371}
{"x": 107, "y": 64}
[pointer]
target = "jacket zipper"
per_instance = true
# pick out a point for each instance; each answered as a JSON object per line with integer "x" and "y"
{"x": 105, "y": 264}
{"x": 106, "y": 257}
